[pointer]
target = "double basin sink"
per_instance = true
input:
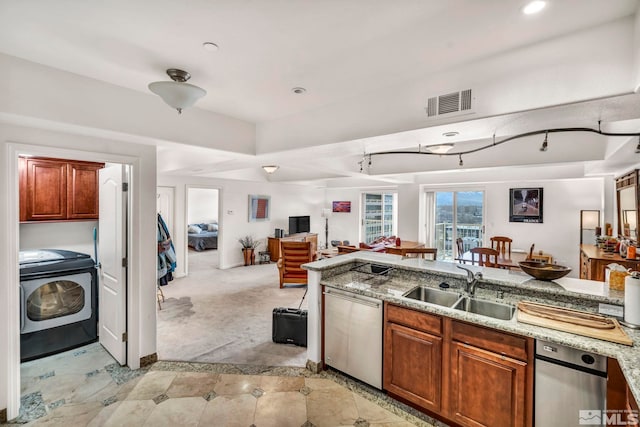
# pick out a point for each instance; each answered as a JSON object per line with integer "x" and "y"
{"x": 463, "y": 303}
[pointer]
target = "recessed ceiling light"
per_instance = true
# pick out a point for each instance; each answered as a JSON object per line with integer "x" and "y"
{"x": 210, "y": 47}
{"x": 270, "y": 168}
{"x": 450, "y": 134}
{"x": 534, "y": 7}
{"x": 298, "y": 90}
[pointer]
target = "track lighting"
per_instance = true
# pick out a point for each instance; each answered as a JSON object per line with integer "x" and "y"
{"x": 544, "y": 143}
{"x": 495, "y": 143}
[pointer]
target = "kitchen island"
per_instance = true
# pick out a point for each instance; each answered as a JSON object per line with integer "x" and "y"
{"x": 497, "y": 285}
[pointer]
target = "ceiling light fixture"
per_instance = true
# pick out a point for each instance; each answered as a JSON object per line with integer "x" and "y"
{"x": 177, "y": 94}
{"x": 450, "y": 134}
{"x": 439, "y": 148}
{"x": 270, "y": 168}
{"x": 366, "y": 159}
{"x": 210, "y": 47}
{"x": 545, "y": 142}
{"x": 534, "y": 7}
{"x": 298, "y": 90}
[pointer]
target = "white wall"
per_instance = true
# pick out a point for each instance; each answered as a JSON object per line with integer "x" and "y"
{"x": 286, "y": 200}
{"x": 203, "y": 205}
{"x": 558, "y": 235}
{"x": 142, "y": 286}
{"x": 68, "y": 235}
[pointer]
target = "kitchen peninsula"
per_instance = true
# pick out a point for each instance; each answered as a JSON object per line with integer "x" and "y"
{"x": 463, "y": 354}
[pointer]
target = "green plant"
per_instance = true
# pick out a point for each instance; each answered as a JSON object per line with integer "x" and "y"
{"x": 248, "y": 242}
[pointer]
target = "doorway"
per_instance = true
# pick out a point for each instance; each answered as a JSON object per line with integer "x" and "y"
{"x": 203, "y": 228}
{"x": 14, "y": 151}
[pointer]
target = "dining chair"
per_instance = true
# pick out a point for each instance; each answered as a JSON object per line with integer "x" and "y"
{"x": 431, "y": 253}
{"x": 502, "y": 244}
{"x": 460, "y": 248}
{"x": 487, "y": 257}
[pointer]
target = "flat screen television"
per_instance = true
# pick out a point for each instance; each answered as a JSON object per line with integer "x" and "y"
{"x": 299, "y": 224}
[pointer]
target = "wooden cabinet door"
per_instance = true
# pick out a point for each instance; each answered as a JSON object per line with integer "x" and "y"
{"x": 46, "y": 190}
{"x": 413, "y": 366}
{"x": 487, "y": 389}
{"x": 82, "y": 190}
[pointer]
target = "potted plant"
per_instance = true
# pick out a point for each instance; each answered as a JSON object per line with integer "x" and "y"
{"x": 249, "y": 244}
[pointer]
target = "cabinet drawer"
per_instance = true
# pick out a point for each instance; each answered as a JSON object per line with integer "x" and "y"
{"x": 414, "y": 319}
{"x": 489, "y": 339}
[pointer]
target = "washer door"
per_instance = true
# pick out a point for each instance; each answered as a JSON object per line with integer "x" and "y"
{"x": 55, "y": 301}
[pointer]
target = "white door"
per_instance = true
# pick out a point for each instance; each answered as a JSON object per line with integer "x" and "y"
{"x": 112, "y": 253}
{"x": 164, "y": 206}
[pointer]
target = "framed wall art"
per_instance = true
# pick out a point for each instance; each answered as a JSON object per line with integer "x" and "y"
{"x": 341, "y": 206}
{"x": 259, "y": 208}
{"x": 525, "y": 205}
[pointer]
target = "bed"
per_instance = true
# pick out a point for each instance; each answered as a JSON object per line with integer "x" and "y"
{"x": 202, "y": 236}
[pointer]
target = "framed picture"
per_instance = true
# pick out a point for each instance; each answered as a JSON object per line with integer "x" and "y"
{"x": 525, "y": 205}
{"x": 342, "y": 206}
{"x": 259, "y": 207}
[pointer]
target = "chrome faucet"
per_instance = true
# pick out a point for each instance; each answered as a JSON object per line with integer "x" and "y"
{"x": 472, "y": 279}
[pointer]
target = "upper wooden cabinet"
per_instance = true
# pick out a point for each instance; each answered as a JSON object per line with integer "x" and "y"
{"x": 58, "y": 190}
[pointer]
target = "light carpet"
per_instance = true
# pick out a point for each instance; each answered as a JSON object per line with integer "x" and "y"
{"x": 225, "y": 316}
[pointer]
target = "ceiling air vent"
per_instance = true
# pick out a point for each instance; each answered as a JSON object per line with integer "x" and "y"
{"x": 456, "y": 102}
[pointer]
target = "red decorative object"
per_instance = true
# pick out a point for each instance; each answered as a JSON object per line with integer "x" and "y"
{"x": 398, "y": 242}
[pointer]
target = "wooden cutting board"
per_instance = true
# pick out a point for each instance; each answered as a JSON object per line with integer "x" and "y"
{"x": 574, "y": 321}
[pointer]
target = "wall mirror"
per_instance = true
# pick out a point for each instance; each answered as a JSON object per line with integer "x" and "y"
{"x": 627, "y": 197}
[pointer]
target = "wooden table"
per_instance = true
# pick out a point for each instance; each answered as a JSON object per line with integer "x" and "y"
{"x": 503, "y": 261}
{"x": 406, "y": 244}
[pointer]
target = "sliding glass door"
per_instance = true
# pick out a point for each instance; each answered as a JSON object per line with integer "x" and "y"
{"x": 379, "y": 213}
{"x": 458, "y": 214}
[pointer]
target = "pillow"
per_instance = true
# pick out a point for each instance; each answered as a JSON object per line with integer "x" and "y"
{"x": 203, "y": 226}
{"x": 194, "y": 229}
{"x": 212, "y": 227}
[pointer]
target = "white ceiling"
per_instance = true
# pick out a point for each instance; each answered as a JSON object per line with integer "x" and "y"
{"x": 336, "y": 49}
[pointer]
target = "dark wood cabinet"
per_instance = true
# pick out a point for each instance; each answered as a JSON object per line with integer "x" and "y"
{"x": 487, "y": 388}
{"x": 620, "y": 399}
{"x": 413, "y": 366}
{"x": 58, "y": 190}
{"x": 456, "y": 371}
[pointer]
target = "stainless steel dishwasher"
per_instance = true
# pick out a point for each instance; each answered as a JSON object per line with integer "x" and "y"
{"x": 353, "y": 335}
{"x": 570, "y": 386}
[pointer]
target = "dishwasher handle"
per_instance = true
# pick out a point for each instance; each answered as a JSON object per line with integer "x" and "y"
{"x": 352, "y": 299}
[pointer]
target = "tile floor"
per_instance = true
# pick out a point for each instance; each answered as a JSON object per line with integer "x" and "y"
{"x": 85, "y": 387}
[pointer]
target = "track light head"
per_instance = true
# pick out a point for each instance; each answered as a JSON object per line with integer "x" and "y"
{"x": 638, "y": 146}
{"x": 545, "y": 142}
{"x": 460, "y": 162}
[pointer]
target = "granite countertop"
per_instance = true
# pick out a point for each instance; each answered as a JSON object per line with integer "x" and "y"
{"x": 498, "y": 285}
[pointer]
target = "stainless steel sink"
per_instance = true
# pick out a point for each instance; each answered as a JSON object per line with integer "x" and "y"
{"x": 433, "y": 296}
{"x": 485, "y": 308}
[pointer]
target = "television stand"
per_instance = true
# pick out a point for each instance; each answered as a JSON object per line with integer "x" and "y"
{"x": 273, "y": 243}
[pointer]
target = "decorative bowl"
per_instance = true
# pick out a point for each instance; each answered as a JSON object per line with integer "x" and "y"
{"x": 544, "y": 271}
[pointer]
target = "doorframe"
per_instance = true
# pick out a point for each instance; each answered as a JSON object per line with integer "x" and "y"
{"x": 13, "y": 234}
{"x": 186, "y": 224}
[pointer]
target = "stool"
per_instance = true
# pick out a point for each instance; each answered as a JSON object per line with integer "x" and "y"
{"x": 265, "y": 257}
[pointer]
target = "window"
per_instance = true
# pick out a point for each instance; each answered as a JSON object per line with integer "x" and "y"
{"x": 457, "y": 214}
{"x": 379, "y": 213}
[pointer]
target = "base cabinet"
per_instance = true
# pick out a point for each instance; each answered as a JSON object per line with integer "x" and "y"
{"x": 487, "y": 389}
{"x": 412, "y": 368}
{"x": 461, "y": 373}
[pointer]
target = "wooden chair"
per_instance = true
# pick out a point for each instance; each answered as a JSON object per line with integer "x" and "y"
{"x": 485, "y": 256}
{"x": 430, "y": 253}
{"x": 502, "y": 244}
{"x": 292, "y": 256}
{"x": 460, "y": 249}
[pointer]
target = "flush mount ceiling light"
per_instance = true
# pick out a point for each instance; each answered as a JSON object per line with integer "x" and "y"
{"x": 177, "y": 94}
{"x": 210, "y": 47}
{"x": 534, "y": 7}
{"x": 451, "y": 134}
{"x": 439, "y": 148}
{"x": 298, "y": 90}
{"x": 270, "y": 168}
